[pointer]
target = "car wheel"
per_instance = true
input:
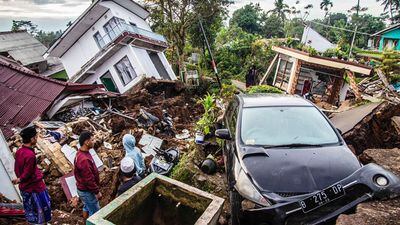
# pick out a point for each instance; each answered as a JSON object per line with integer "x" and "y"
{"x": 235, "y": 201}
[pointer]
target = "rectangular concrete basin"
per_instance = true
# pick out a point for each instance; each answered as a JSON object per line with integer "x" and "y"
{"x": 159, "y": 200}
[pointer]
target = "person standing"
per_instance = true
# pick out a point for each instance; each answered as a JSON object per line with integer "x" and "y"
{"x": 36, "y": 199}
{"x": 87, "y": 176}
{"x": 129, "y": 143}
{"x": 128, "y": 175}
{"x": 251, "y": 76}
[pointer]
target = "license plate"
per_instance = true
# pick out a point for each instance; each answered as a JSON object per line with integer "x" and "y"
{"x": 321, "y": 198}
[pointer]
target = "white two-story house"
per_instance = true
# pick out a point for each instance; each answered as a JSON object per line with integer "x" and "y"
{"x": 112, "y": 44}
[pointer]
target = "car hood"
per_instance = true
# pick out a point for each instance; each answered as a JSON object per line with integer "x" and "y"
{"x": 300, "y": 170}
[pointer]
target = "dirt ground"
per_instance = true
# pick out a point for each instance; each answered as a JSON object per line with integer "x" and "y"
{"x": 377, "y": 212}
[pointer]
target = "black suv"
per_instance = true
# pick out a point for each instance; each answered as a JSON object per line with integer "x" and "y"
{"x": 287, "y": 164}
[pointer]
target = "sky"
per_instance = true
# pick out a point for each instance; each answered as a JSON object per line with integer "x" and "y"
{"x": 52, "y": 15}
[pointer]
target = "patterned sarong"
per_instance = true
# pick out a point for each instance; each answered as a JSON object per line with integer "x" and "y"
{"x": 37, "y": 207}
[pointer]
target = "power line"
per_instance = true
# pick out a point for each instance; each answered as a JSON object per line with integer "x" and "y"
{"x": 344, "y": 29}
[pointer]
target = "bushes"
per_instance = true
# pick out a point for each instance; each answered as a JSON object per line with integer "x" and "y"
{"x": 264, "y": 89}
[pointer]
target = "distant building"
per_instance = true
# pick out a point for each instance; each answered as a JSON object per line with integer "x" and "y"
{"x": 314, "y": 39}
{"x": 388, "y": 38}
{"x": 112, "y": 44}
{"x": 22, "y": 47}
{"x": 298, "y": 72}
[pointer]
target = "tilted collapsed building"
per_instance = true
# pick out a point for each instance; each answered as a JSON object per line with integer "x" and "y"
{"x": 112, "y": 44}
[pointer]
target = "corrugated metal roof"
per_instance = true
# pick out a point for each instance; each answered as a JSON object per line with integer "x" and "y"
{"x": 22, "y": 46}
{"x": 24, "y": 96}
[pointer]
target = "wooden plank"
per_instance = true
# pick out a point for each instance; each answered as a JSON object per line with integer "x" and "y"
{"x": 269, "y": 70}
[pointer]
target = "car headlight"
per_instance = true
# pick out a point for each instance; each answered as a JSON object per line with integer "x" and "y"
{"x": 381, "y": 180}
{"x": 246, "y": 188}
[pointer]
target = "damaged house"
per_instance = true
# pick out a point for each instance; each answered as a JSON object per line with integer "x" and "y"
{"x": 298, "y": 72}
{"x": 112, "y": 44}
{"x": 26, "y": 96}
{"x": 25, "y": 49}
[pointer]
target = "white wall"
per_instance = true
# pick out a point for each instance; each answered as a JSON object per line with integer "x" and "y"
{"x": 314, "y": 39}
{"x": 7, "y": 171}
{"x": 109, "y": 66}
{"x": 125, "y": 14}
{"x": 86, "y": 48}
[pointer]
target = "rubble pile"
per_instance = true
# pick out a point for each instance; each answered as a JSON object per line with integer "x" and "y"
{"x": 380, "y": 128}
{"x": 163, "y": 109}
{"x": 379, "y": 89}
{"x": 377, "y": 212}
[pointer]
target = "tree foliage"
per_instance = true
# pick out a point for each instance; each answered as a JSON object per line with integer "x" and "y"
{"x": 174, "y": 19}
{"x": 248, "y": 18}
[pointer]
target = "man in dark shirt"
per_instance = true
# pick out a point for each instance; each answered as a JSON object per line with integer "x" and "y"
{"x": 35, "y": 197}
{"x": 128, "y": 175}
{"x": 87, "y": 176}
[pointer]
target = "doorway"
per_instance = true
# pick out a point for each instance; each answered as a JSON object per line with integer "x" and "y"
{"x": 159, "y": 65}
{"x": 108, "y": 81}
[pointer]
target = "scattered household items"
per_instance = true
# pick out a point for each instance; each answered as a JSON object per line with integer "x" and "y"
{"x": 164, "y": 161}
{"x": 199, "y": 138}
{"x": 159, "y": 198}
{"x": 11, "y": 210}
{"x": 279, "y": 141}
{"x": 150, "y": 143}
{"x": 184, "y": 135}
{"x": 209, "y": 165}
{"x": 146, "y": 119}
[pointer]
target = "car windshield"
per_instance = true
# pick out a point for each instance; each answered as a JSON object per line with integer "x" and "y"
{"x": 290, "y": 126}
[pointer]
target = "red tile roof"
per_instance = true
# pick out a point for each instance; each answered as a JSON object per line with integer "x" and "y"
{"x": 25, "y": 95}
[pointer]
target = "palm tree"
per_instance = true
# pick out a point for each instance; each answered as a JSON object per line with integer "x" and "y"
{"x": 391, "y": 5}
{"x": 280, "y": 9}
{"x": 326, "y": 5}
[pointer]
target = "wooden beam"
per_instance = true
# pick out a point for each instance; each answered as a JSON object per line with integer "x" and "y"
{"x": 271, "y": 65}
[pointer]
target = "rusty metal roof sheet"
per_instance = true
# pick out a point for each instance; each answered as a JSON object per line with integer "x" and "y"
{"x": 24, "y": 96}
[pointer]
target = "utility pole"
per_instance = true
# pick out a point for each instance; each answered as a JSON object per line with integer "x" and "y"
{"x": 358, "y": 7}
{"x": 352, "y": 42}
{"x": 214, "y": 65}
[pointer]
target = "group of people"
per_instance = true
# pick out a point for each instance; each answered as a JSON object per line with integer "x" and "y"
{"x": 36, "y": 199}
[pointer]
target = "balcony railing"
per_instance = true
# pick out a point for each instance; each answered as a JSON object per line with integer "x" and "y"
{"x": 124, "y": 27}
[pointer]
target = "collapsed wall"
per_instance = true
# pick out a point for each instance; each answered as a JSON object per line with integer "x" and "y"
{"x": 377, "y": 130}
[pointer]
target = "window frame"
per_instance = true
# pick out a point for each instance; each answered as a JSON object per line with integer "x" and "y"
{"x": 126, "y": 69}
{"x": 97, "y": 40}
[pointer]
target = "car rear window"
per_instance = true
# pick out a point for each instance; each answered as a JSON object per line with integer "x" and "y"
{"x": 269, "y": 126}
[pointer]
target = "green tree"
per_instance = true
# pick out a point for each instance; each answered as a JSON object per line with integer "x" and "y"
{"x": 174, "y": 18}
{"x": 48, "y": 38}
{"x": 326, "y": 5}
{"x": 392, "y": 7}
{"x": 272, "y": 26}
{"x": 248, "y": 18}
{"x": 27, "y": 25}
{"x": 281, "y": 9}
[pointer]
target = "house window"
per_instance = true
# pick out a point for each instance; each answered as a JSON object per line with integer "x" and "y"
{"x": 99, "y": 40}
{"x": 125, "y": 70}
{"x": 114, "y": 27}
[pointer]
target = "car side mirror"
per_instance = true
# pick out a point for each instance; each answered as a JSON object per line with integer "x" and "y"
{"x": 223, "y": 134}
{"x": 340, "y": 131}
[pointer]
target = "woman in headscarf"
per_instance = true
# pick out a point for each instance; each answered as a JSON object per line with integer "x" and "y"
{"x": 134, "y": 152}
